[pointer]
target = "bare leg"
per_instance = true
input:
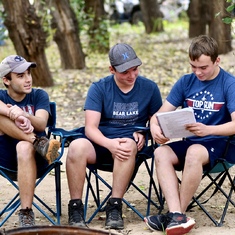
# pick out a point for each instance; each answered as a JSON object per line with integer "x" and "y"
{"x": 122, "y": 171}
{"x": 80, "y": 153}
{"x": 196, "y": 157}
{"x": 26, "y": 173}
{"x": 165, "y": 159}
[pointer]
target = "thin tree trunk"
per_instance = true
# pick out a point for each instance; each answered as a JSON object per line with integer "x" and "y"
{"x": 28, "y": 38}
{"x": 67, "y": 35}
{"x": 218, "y": 29}
{"x": 152, "y": 16}
{"x": 199, "y": 17}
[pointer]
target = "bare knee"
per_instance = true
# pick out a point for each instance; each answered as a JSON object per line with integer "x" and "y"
{"x": 196, "y": 155}
{"x": 165, "y": 155}
{"x": 81, "y": 150}
{"x": 131, "y": 145}
{"x": 25, "y": 151}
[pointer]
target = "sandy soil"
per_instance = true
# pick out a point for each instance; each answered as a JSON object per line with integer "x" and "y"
{"x": 133, "y": 224}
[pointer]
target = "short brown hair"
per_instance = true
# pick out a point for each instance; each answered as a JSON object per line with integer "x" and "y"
{"x": 203, "y": 45}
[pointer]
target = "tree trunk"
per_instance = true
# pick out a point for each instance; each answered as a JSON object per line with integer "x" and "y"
{"x": 202, "y": 15}
{"x": 218, "y": 29}
{"x": 67, "y": 34}
{"x": 199, "y": 13}
{"x": 28, "y": 38}
{"x": 152, "y": 16}
{"x": 98, "y": 29}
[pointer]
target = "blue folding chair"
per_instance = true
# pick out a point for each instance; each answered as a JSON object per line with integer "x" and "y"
{"x": 142, "y": 157}
{"x": 38, "y": 203}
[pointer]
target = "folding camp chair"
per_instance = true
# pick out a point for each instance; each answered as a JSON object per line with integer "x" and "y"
{"x": 38, "y": 203}
{"x": 142, "y": 157}
{"x": 219, "y": 178}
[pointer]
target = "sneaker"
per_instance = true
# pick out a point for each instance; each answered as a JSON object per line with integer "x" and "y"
{"x": 26, "y": 217}
{"x": 76, "y": 213}
{"x": 48, "y": 149}
{"x": 179, "y": 224}
{"x": 157, "y": 222}
{"x": 114, "y": 218}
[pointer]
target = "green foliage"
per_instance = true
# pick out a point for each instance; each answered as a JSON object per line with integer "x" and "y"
{"x": 231, "y": 10}
{"x": 44, "y": 13}
{"x": 227, "y": 20}
{"x": 83, "y": 19}
{"x": 98, "y": 37}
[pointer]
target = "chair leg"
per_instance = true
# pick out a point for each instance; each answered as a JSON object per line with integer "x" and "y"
{"x": 58, "y": 192}
{"x": 221, "y": 177}
{"x": 11, "y": 207}
{"x": 96, "y": 196}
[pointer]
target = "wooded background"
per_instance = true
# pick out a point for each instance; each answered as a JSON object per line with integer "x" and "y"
{"x": 33, "y": 25}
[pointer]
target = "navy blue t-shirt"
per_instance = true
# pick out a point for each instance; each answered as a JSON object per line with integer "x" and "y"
{"x": 212, "y": 101}
{"x": 120, "y": 112}
{"x": 37, "y": 99}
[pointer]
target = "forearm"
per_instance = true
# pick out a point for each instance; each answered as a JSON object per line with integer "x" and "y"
{"x": 38, "y": 123}
{"x": 226, "y": 129}
{"x": 94, "y": 134}
{"x": 4, "y": 110}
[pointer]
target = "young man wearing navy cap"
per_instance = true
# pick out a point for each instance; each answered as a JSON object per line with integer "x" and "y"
{"x": 113, "y": 107}
{"x": 24, "y": 112}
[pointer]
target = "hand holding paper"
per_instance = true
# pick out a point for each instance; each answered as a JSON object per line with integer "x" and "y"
{"x": 173, "y": 123}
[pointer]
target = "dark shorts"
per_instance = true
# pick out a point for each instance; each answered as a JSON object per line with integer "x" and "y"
{"x": 8, "y": 157}
{"x": 104, "y": 159}
{"x": 215, "y": 148}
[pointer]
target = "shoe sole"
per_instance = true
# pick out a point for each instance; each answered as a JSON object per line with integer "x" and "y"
{"x": 181, "y": 229}
{"x": 149, "y": 226}
{"x": 52, "y": 152}
{"x": 80, "y": 225}
{"x": 114, "y": 227}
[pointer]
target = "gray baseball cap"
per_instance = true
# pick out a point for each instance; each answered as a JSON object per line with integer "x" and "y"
{"x": 15, "y": 64}
{"x": 123, "y": 57}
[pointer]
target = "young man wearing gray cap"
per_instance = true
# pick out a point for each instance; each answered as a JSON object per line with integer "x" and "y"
{"x": 24, "y": 112}
{"x": 113, "y": 107}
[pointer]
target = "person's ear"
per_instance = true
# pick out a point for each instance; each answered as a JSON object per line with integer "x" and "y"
{"x": 6, "y": 81}
{"x": 111, "y": 69}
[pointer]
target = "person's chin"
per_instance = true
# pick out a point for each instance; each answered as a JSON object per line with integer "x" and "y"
{"x": 28, "y": 90}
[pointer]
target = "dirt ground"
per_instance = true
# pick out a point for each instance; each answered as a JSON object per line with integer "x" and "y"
{"x": 133, "y": 223}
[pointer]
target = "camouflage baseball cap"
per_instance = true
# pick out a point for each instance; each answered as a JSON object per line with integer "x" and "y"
{"x": 15, "y": 64}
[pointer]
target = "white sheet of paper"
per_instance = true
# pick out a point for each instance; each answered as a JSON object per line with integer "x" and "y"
{"x": 173, "y": 123}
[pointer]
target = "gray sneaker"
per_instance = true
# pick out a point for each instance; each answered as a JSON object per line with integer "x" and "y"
{"x": 48, "y": 149}
{"x": 114, "y": 218}
{"x": 26, "y": 217}
{"x": 76, "y": 213}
